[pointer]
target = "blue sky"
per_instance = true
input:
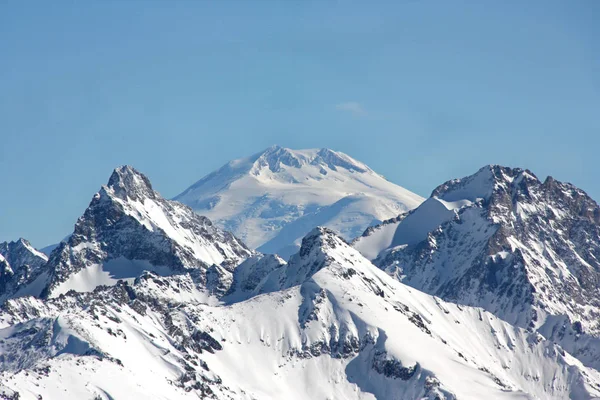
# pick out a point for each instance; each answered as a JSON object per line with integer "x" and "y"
{"x": 422, "y": 91}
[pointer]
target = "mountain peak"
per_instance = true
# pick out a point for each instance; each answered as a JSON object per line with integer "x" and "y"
{"x": 126, "y": 181}
{"x": 129, "y": 228}
{"x": 482, "y": 184}
{"x": 322, "y": 249}
{"x": 319, "y": 239}
{"x": 275, "y": 197}
{"x": 21, "y": 252}
{"x": 18, "y": 261}
{"x": 277, "y": 157}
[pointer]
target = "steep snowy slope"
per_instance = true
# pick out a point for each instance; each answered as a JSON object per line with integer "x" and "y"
{"x": 129, "y": 228}
{"x": 407, "y": 229}
{"x": 272, "y": 199}
{"x": 526, "y": 250}
{"x": 328, "y": 325}
{"x": 19, "y": 260}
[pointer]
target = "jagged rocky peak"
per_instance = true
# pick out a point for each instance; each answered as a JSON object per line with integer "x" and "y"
{"x": 505, "y": 189}
{"x": 126, "y": 182}
{"x": 517, "y": 194}
{"x": 19, "y": 261}
{"x": 319, "y": 248}
{"x": 318, "y": 241}
{"x": 526, "y": 250}
{"x": 129, "y": 228}
{"x": 21, "y": 252}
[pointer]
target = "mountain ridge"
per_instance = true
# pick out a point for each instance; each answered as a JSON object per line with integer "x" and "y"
{"x": 523, "y": 249}
{"x": 342, "y": 318}
{"x": 127, "y": 228}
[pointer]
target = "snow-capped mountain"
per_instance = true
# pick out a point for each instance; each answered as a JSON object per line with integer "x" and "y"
{"x": 129, "y": 228}
{"x": 488, "y": 289}
{"x": 272, "y": 199}
{"x": 328, "y": 325}
{"x": 19, "y": 260}
{"x": 526, "y": 250}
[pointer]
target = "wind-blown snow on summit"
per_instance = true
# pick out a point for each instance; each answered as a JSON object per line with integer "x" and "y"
{"x": 272, "y": 199}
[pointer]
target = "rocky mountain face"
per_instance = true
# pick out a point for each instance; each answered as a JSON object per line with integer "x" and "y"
{"x": 19, "y": 260}
{"x": 129, "y": 228}
{"x": 327, "y": 325}
{"x": 526, "y": 250}
{"x": 274, "y": 198}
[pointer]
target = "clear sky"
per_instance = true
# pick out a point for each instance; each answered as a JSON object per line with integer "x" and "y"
{"x": 422, "y": 91}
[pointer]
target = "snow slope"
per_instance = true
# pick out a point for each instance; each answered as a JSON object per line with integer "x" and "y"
{"x": 327, "y": 325}
{"x": 407, "y": 229}
{"x": 272, "y": 199}
{"x": 527, "y": 251}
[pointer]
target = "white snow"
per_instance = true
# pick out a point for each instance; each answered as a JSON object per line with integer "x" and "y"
{"x": 273, "y": 208}
{"x": 152, "y": 216}
{"x": 457, "y": 350}
{"x": 410, "y": 230}
{"x": 472, "y": 188}
{"x": 107, "y": 274}
{"x": 326, "y": 325}
{"x": 35, "y": 251}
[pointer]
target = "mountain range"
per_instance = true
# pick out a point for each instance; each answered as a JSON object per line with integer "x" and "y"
{"x": 349, "y": 287}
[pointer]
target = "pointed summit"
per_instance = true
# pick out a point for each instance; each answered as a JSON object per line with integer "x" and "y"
{"x": 18, "y": 262}
{"x": 126, "y": 181}
{"x": 20, "y": 253}
{"x": 320, "y": 239}
{"x": 322, "y": 249}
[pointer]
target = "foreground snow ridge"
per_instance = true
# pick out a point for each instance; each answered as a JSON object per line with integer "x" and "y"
{"x": 327, "y": 325}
